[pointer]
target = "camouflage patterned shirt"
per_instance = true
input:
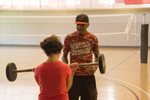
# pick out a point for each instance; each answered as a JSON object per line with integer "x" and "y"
{"x": 81, "y": 48}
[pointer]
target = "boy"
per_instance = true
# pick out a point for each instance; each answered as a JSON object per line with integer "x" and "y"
{"x": 53, "y": 76}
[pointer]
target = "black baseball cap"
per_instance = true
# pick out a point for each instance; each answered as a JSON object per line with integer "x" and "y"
{"x": 82, "y": 19}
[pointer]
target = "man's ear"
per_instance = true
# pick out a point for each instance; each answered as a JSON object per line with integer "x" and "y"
{"x": 88, "y": 25}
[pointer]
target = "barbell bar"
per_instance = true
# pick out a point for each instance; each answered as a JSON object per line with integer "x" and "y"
{"x": 88, "y": 64}
{"x": 11, "y": 69}
{"x": 101, "y": 63}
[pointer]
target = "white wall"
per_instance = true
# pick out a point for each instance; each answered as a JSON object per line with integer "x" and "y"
{"x": 12, "y": 33}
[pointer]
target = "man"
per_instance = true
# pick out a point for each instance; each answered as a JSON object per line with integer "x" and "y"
{"x": 81, "y": 44}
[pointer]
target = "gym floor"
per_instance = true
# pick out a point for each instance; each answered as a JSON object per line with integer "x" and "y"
{"x": 126, "y": 78}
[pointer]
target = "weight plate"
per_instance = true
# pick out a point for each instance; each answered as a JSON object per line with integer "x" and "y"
{"x": 102, "y": 63}
{"x": 11, "y": 76}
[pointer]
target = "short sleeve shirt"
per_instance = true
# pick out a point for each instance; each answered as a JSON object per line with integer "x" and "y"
{"x": 81, "y": 48}
{"x": 52, "y": 79}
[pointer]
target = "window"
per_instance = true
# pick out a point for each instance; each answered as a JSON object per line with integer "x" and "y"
{"x": 54, "y": 4}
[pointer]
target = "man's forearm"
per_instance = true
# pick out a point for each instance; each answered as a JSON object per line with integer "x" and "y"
{"x": 96, "y": 60}
{"x": 65, "y": 59}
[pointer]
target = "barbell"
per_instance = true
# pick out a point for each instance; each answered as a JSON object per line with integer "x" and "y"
{"x": 11, "y": 69}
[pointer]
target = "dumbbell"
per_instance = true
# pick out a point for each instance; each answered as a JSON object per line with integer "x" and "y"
{"x": 11, "y": 69}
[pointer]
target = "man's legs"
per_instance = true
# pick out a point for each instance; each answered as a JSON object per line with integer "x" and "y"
{"x": 88, "y": 89}
{"x": 74, "y": 92}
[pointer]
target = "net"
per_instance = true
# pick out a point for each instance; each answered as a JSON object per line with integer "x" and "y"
{"x": 63, "y": 25}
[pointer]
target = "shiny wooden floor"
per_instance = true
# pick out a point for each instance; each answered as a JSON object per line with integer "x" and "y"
{"x": 126, "y": 78}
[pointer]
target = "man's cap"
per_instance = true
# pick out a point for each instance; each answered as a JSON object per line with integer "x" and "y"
{"x": 82, "y": 19}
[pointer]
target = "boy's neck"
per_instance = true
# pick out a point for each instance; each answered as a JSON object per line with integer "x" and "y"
{"x": 52, "y": 58}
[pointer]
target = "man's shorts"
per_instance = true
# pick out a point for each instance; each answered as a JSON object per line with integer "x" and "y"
{"x": 84, "y": 86}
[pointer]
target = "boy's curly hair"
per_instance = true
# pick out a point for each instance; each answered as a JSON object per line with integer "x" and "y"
{"x": 51, "y": 45}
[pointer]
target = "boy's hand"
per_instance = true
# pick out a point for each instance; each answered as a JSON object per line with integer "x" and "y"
{"x": 74, "y": 67}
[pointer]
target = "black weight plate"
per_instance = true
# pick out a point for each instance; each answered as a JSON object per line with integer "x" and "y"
{"x": 102, "y": 63}
{"x": 11, "y": 76}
